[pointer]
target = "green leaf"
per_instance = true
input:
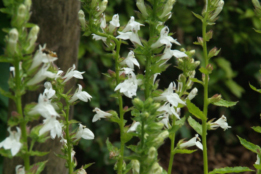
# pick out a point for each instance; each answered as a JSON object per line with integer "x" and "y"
{"x": 184, "y": 151}
{"x": 126, "y": 136}
{"x": 38, "y": 153}
{"x": 197, "y": 16}
{"x": 250, "y": 146}
{"x": 258, "y": 31}
{"x": 38, "y": 167}
{"x": 6, "y": 153}
{"x": 257, "y": 129}
{"x": 225, "y": 103}
{"x": 196, "y": 80}
{"x": 236, "y": 89}
{"x": 195, "y": 125}
{"x": 114, "y": 151}
{"x": 204, "y": 70}
{"x": 194, "y": 110}
{"x": 254, "y": 88}
{"x": 231, "y": 170}
{"x": 226, "y": 66}
{"x": 257, "y": 166}
{"x": 87, "y": 165}
{"x": 73, "y": 121}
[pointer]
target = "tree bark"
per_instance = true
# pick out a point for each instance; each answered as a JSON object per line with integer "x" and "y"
{"x": 60, "y": 30}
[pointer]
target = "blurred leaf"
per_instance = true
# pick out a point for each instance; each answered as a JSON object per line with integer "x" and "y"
{"x": 234, "y": 88}
{"x": 225, "y": 103}
{"x": 184, "y": 151}
{"x": 188, "y": 2}
{"x": 226, "y": 66}
{"x": 87, "y": 165}
{"x": 231, "y": 170}
{"x": 254, "y": 88}
{"x": 38, "y": 153}
{"x": 250, "y": 146}
{"x": 195, "y": 125}
{"x": 257, "y": 129}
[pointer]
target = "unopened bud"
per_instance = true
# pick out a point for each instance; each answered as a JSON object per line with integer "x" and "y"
{"x": 167, "y": 8}
{"x": 148, "y": 102}
{"x": 28, "y": 4}
{"x": 156, "y": 169}
{"x": 200, "y": 41}
{"x": 182, "y": 50}
{"x": 192, "y": 52}
{"x": 135, "y": 164}
{"x": 192, "y": 74}
{"x": 180, "y": 87}
{"x": 218, "y": 10}
{"x": 21, "y": 14}
{"x": 145, "y": 114}
{"x": 103, "y": 22}
{"x": 81, "y": 18}
{"x": 12, "y": 40}
{"x": 192, "y": 93}
{"x": 215, "y": 98}
{"x": 94, "y": 4}
{"x": 160, "y": 138}
{"x": 209, "y": 68}
{"x": 197, "y": 63}
{"x": 182, "y": 78}
{"x": 209, "y": 35}
{"x": 137, "y": 103}
{"x": 141, "y": 6}
{"x": 19, "y": 169}
{"x": 213, "y": 52}
{"x": 102, "y": 7}
{"x": 32, "y": 37}
{"x": 203, "y": 77}
{"x": 152, "y": 153}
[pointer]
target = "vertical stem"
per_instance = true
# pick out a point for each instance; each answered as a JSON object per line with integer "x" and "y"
{"x": 205, "y": 110}
{"x": 18, "y": 101}
{"x": 142, "y": 133}
{"x": 172, "y": 138}
{"x": 69, "y": 162}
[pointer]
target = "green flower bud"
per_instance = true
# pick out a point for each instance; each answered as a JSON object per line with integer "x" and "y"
{"x": 200, "y": 41}
{"x": 159, "y": 140}
{"x": 32, "y": 37}
{"x": 167, "y": 8}
{"x": 192, "y": 52}
{"x": 215, "y": 98}
{"x": 148, "y": 102}
{"x": 101, "y": 8}
{"x": 28, "y": 4}
{"x": 12, "y": 40}
{"x": 141, "y": 6}
{"x": 152, "y": 154}
{"x": 217, "y": 11}
{"x": 213, "y": 52}
{"x": 209, "y": 35}
{"x": 156, "y": 169}
{"x": 21, "y": 14}
{"x": 137, "y": 103}
{"x": 81, "y": 18}
{"x": 135, "y": 164}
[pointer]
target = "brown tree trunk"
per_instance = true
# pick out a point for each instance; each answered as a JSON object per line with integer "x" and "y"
{"x": 59, "y": 29}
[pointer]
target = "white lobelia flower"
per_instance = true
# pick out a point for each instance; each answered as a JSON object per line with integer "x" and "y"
{"x": 79, "y": 94}
{"x": 13, "y": 141}
{"x": 168, "y": 109}
{"x": 42, "y": 57}
{"x": 100, "y": 114}
{"x": 221, "y": 122}
{"x": 41, "y": 75}
{"x": 257, "y": 160}
{"x": 58, "y": 74}
{"x": 133, "y": 127}
{"x": 165, "y": 119}
{"x": 132, "y": 25}
{"x": 84, "y": 133}
{"x": 192, "y": 93}
{"x": 19, "y": 169}
{"x": 72, "y": 154}
{"x": 155, "y": 76}
{"x": 164, "y": 39}
{"x": 103, "y": 22}
{"x": 114, "y": 23}
{"x": 132, "y": 36}
{"x": 169, "y": 96}
{"x": 130, "y": 60}
{"x": 129, "y": 86}
{"x": 44, "y": 108}
{"x": 48, "y": 92}
{"x": 72, "y": 73}
{"x": 192, "y": 142}
{"x": 52, "y": 125}
{"x": 126, "y": 71}
{"x": 97, "y": 37}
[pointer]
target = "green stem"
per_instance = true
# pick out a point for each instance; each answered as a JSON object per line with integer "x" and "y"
{"x": 172, "y": 138}
{"x": 205, "y": 110}
{"x": 18, "y": 101}
{"x": 142, "y": 132}
{"x": 69, "y": 145}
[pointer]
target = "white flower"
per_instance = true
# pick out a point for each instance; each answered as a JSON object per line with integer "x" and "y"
{"x": 115, "y": 22}
{"x": 129, "y": 86}
{"x": 133, "y": 127}
{"x": 84, "y": 133}
{"x": 58, "y": 74}
{"x": 221, "y": 122}
{"x": 79, "y": 94}
{"x": 48, "y": 92}
{"x": 192, "y": 142}
{"x": 52, "y": 125}
{"x": 132, "y": 36}
{"x": 165, "y": 119}
{"x": 100, "y": 114}
{"x": 19, "y": 169}
{"x": 168, "y": 109}
{"x": 13, "y": 141}
{"x": 164, "y": 39}
{"x": 132, "y": 25}
{"x": 257, "y": 160}
{"x": 72, "y": 73}
{"x": 103, "y": 22}
{"x": 81, "y": 171}
{"x": 41, "y": 75}
{"x": 170, "y": 97}
{"x": 97, "y": 37}
{"x": 155, "y": 76}
{"x": 126, "y": 71}
{"x": 192, "y": 93}
{"x": 72, "y": 154}
{"x": 41, "y": 57}
{"x": 44, "y": 108}
{"x": 130, "y": 61}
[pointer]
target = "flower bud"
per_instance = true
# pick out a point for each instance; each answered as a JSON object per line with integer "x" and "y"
{"x": 32, "y": 37}
{"x": 81, "y": 18}
{"x": 94, "y": 3}
{"x": 21, "y": 14}
{"x": 167, "y": 8}
{"x": 135, "y": 164}
{"x": 209, "y": 68}
{"x": 213, "y": 52}
{"x": 141, "y": 6}
{"x": 137, "y": 103}
{"x": 103, "y": 22}
{"x": 209, "y": 35}
{"x": 156, "y": 169}
{"x": 200, "y": 41}
{"x": 215, "y": 98}
{"x": 192, "y": 93}
{"x": 180, "y": 86}
{"x": 28, "y": 4}
{"x": 148, "y": 102}
{"x": 218, "y": 10}
{"x": 102, "y": 7}
{"x": 19, "y": 169}
{"x": 12, "y": 40}
{"x": 192, "y": 52}
{"x": 192, "y": 74}
{"x": 203, "y": 77}
{"x": 152, "y": 153}
{"x": 160, "y": 138}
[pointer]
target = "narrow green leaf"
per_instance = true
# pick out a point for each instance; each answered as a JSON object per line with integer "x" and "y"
{"x": 87, "y": 165}
{"x": 73, "y": 121}
{"x": 225, "y": 103}
{"x": 194, "y": 110}
{"x": 257, "y": 129}
{"x": 204, "y": 70}
{"x": 195, "y": 125}
{"x": 254, "y": 88}
{"x": 38, "y": 153}
{"x": 248, "y": 145}
{"x": 196, "y": 81}
{"x": 258, "y": 31}
{"x": 231, "y": 170}
{"x": 184, "y": 151}
{"x": 197, "y": 16}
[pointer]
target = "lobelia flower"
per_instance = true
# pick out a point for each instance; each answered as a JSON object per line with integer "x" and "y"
{"x": 72, "y": 73}
{"x": 97, "y": 37}
{"x": 168, "y": 109}
{"x": 257, "y": 160}
{"x": 127, "y": 71}
{"x": 48, "y": 92}
{"x": 72, "y": 154}
{"x": 132, "y": 36}
{"x": 19, "y": 169}
{"x": 84, "y": 133}
{"x": 132, "y": 25}
{"x": 79, "y": 94}
{"x": 41, "y": 75}
{"x": 41, "y": 57}
{"x": 103, "y": 22}
{"x": 13, "y": 141}
{"x": 221, "y": 122}
{"x": 192, "y": 93}
{"x": 52, "y": 125}
{"x": 169, "y": 96}
{"x": 100, "y": 114}
{"x": 129, "y": 86}
{"x": 130, "y": 60}
{"x": 44, "y": 108}
{"x": 133, "y": 127}
{"x": 114, "y": 23}
{"x": 192, "y": 142}
{"x": 164, "y": 39}
{"x": 165, "y": 119}
{"x": 155, "y": 76}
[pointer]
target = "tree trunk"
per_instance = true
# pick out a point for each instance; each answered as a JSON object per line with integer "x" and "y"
{"x": 60, "y": 30}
